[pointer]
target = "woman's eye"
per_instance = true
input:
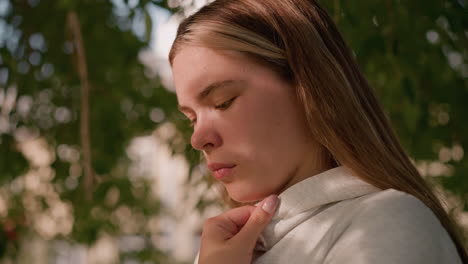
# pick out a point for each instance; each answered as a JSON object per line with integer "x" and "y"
{"x": 226, "y": 104}
{"x": 222, "y": 106}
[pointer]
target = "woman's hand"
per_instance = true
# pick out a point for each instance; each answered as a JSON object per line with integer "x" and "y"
{"x": 231, "y": 237}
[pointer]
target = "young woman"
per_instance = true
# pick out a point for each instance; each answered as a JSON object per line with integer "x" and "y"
{"x": 280, "y": 108}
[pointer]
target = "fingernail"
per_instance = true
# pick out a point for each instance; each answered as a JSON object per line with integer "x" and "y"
{"x": 270, "y": 204}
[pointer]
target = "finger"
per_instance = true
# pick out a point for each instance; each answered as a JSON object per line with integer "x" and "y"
{"x": 258, "y": 220}
{"x": 238, "y": 216}
{"x": 228, "y": 224}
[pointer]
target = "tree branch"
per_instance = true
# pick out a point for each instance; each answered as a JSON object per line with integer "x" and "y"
{"x": 82, "y": 67}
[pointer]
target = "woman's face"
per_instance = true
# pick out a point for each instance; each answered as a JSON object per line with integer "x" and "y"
{"x": 244, "y": 115}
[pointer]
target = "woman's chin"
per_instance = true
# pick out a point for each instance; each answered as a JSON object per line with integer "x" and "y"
{"x": 244, "y": 196}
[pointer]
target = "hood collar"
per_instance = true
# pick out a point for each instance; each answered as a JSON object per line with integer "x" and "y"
{"x": 299, "y": 202}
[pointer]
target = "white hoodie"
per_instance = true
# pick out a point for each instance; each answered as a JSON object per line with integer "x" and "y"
{"x": 335, "y": 218}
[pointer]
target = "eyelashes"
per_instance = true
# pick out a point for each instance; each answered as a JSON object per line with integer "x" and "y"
{"x": 222, "y": 107}
{"x": 225, "y": 105}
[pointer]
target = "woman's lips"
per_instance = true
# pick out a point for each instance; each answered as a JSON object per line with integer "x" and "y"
{"x": 221, "y": 170}
{"x": 223, "y": 173}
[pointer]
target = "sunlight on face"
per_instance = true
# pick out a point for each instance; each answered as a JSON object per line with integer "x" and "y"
{"x": 244, "y": 114}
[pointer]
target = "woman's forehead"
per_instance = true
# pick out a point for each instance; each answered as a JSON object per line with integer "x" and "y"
{"x": 195, "y": 68}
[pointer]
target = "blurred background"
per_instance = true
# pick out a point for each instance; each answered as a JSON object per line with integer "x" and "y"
{"x": 95, "y": 160}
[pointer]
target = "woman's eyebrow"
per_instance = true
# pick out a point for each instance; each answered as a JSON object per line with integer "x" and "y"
{"x": 210, "y": 89}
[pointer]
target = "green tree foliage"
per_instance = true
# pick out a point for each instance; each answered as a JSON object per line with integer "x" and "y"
{"x": 414, "y": 54}
{"x": 59, "y": 59}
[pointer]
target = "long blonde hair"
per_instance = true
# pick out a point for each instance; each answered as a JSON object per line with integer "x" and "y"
{"x": 298, "y": 40}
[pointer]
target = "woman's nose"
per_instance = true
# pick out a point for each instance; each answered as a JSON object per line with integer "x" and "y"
{"x": 205, "y": 136}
